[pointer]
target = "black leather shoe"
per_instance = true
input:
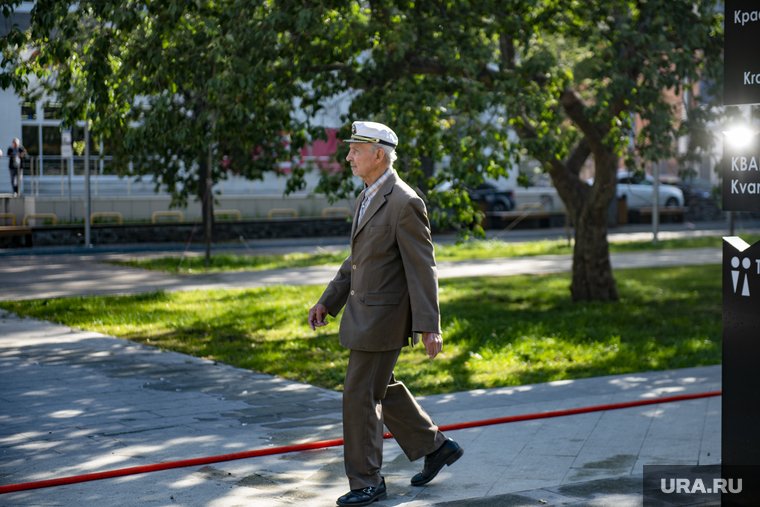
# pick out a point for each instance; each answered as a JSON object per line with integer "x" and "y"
{"x": 446, "y": 454}
{"x": 365, "y": 496}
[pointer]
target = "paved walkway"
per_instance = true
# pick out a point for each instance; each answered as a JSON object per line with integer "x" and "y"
{"x": 76, "y": 402}
{"x": 60, "y": 276}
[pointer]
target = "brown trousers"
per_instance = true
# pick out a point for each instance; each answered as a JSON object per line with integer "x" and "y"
{"x": 372, "y": 396}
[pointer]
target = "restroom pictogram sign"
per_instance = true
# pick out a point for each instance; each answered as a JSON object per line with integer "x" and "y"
{"x": 740, "y": 274}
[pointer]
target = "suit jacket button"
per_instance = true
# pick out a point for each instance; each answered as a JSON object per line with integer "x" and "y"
{"x": 352, "y": 293}
{"x": 354, "y": 266}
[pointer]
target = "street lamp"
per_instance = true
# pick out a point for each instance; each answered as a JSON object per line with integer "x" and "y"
{"x": 740, "y": 136}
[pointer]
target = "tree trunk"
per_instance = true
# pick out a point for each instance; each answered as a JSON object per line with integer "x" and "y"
{"x": 592, "y": 270}
{"x": 588, "y": 207}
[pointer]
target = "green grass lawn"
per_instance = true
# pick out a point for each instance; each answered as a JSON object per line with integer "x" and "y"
{"x": 499, "y": 331}
{"x": 471, "y": 250}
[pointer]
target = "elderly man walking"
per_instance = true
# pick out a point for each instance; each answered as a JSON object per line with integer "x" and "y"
{"x": 389, "y": 287}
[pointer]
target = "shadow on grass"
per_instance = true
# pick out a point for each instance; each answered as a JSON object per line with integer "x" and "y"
{"x": 519, "y": 330}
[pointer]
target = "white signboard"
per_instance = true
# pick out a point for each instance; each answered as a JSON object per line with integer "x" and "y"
{"x": 66, "y": 151}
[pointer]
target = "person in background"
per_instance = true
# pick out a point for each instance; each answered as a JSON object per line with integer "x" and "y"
{"x": 16, "y": 153}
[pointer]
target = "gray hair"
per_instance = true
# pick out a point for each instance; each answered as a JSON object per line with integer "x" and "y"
{"x": 15, "y": 140}
{"x": 390, "y": 153}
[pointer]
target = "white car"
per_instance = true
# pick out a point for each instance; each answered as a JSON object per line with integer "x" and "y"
{"x": 638, "y": 191}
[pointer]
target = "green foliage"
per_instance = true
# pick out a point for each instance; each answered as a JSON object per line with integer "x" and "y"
{"x": 164, "y": 82}
{"x": 453, "y": 77}
{"x": 9, "y": 45}
{"x": 497, "y": 331}
{"x": 477, "y": 84}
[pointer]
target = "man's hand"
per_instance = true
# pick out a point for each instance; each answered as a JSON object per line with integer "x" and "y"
{"x": 433, "y": 343}
{"x": 317, "y": 314}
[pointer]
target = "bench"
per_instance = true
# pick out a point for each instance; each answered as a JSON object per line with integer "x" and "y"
{"x": 498, "y": 219}
{"x": 667, "y": 214}
{"x": 14, "y": 231}
{"x": 516, "y": 214}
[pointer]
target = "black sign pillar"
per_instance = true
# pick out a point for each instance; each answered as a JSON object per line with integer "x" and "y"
{"x": 740, "y": 432}
{"x": 741, "y": 67}
{"x": 741, "y": 353}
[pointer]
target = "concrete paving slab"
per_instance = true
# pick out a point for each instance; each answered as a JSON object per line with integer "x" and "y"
{"x": 78, "y": 402}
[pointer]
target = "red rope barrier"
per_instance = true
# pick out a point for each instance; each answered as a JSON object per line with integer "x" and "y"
{"x": 335, "y": 442}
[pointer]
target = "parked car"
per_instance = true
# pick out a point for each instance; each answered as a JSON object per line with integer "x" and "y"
{"x": 638, "y": 191}
{"x": 495, "y": 197}
{"x": 693, "y": 188}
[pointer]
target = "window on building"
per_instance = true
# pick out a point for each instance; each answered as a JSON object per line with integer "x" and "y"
{"x": 51, "y": 141}
{"x": 52, "y": 111}
{"x": 30, "y": 139}
{"x": 28, "y": 110}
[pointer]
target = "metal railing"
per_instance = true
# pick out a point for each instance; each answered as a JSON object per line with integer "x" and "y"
{"x": 282, "y": 211}
{"x": 49, "y": 175}
{"x": 167, "y": 214}
{"x": 34, "y": 168}
{"x": 41, "y": 216}
{"x": 332, "y": 211}
{"x": 228, "y": 213}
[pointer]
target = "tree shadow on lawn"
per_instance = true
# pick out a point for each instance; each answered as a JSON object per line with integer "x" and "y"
{"x": 81, "y": 311}
{"x": 520, "y": 330}
{"x": 223, "y": 316}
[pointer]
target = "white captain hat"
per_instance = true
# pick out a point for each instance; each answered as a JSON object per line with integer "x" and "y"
{"x": 372, "y": 132}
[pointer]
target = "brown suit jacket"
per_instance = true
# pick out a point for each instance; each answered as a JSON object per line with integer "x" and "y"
{"x": 389, "y": 283}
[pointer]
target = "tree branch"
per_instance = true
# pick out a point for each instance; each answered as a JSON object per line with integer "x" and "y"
{"x": 574, "y": 106}
{"x": 425, "y": 65}
{"x": 527, "y": 131}
{"x": 578, "y": 156}
{"x": 507, "y": 47}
